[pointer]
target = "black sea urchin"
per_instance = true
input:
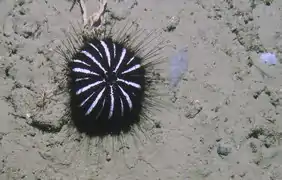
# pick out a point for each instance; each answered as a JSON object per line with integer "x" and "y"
{"x": 110, "y": 78}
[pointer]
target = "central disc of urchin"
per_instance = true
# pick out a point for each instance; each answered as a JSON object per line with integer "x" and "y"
{"x": 107, "y": 87}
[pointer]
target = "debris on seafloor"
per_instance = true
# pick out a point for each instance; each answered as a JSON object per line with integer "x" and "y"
{"x": 178, "y": 66}
{"x": 268, "y": 58}
{"x": 172, "y": 24}
{"x": 93, "y": 20}
{"x": 265, "y": 61}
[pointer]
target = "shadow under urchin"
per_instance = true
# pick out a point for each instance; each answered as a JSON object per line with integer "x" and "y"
{"x": 109, "y": 79}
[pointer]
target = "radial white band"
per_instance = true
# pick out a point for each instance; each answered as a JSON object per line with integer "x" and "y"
{"x": 84, "y": 71}
{"x": 107, "y": 52}
{"x": 95, "y": 102}
{"x": 94, "y": 60}
{"x": 81, "y": 79}
{"x": 101, "y": 109}
{"x": 120, "y": 59}
{"x": 115, "y": 53}
{"x": 88, "y": 87}
{"x": 129, "y": 83}
{"x": 126, "y": 97}
{"x": 96, "y": 49}
{"x": 130, "y": 60}
{"x": 86, "y": 99}
{"x": 112, "y": 102}
{"x": 131, "y": 69}
{"x": 122, "y": 108}
{"x": 81, "y": 62}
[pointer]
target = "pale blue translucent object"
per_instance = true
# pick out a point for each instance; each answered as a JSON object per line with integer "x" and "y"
{"x": 178, "y": 66}
{"x": 268, "y": 58}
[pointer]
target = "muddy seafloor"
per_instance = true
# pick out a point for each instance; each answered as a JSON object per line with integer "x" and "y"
{"x": 225, "y": 119}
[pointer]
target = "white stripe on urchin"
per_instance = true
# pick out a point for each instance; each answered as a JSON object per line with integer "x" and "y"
{"x": 111, "y": 79}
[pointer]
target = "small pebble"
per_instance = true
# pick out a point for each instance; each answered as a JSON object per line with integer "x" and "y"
{"x": 108, "y": 157}
{"x": 172, "y": 24}
{"x": 223, "y": 150}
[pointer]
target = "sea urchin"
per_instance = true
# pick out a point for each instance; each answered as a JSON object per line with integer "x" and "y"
{"x": 110, "y": 78}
